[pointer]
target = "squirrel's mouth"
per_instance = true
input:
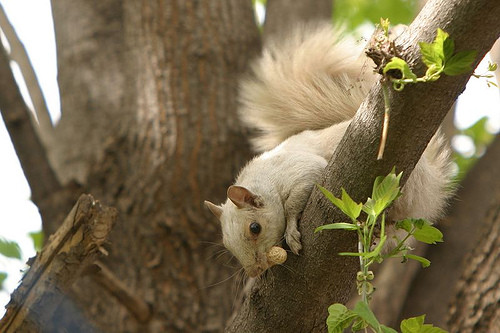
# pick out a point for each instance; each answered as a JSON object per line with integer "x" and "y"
{"x": 256, "y": 269}
{"x": 275, "y": 256}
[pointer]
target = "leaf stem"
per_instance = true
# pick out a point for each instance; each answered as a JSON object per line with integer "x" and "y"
{"x": 387, "y": 111}
{"x": 398, "y": 247}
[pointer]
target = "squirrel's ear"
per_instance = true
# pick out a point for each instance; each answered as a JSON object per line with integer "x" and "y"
{"x": 243, "y": 197}
{"x": 216, "y": 210}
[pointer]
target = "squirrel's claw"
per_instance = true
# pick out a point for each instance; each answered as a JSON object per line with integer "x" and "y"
{"x": 292, "y": 237}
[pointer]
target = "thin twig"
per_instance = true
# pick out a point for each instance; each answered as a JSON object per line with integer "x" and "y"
{"x": 136, "y": 305}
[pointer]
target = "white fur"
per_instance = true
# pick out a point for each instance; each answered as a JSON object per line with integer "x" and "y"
{"x": 301, "y": 98}
{"x": 309, "y": 81}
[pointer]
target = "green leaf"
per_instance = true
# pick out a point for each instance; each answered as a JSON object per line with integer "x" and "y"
{"x": 362, "y": 310}
{"x": 405, "y": 224}
{"x": 428, "y": 234}
{"x": 10, "y": 249}
{"x": 402, "y": 66}
{"x": 337, "y": 226}
{"x": 438, "y": 44}
{"x": 425, "y": 262}
{"x": 412, "y": 325}
{"x": 448, "y": 48}
{"x": 429, "y": 55}
{"x": 424, "y": 231}
{"x": 329, "y": 195}
{"x": 460, "y": 63}
{"x": 37, "y": 238}
{"x": 429, "y": 328}
{"x": 386, "y": 329}
{"x": 384, "y": 192}
{"x": 339, "y": 318}
{"x": 3, "y": 277}
{"x": 387, "y": 188}
{"x": 352, "y": 208}
{"x": 416, "y": 325}
{"x": 346, "y": 205}
{"x": 358, "y": 325}
{"x": 369, "y": 207}
{"x": 384, "y": 24}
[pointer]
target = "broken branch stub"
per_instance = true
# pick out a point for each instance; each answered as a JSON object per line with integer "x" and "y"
{"x": 77, "y": 244}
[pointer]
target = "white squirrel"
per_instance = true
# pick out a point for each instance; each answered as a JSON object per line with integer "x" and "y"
{"x": 301, "y": 96}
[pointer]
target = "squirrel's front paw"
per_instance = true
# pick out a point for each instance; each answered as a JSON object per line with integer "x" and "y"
{"x": 292, "y": 237}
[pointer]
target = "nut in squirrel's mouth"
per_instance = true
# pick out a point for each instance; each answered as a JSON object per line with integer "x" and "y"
{"x": 275, "y": 256}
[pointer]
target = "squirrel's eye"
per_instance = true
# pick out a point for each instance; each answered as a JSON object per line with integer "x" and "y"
{"x": 255, "y": 228}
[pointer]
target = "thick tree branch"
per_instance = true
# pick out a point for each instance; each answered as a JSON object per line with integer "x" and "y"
{"x": 29, "y": 149}
{"x": 296, "y": 299}
{"x": 75, "y": 246}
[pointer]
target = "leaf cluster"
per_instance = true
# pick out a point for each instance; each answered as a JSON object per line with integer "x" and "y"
{"x": 439, "y": 57}
{"x": 361, "y": 317}
{"x": 385, "y": 191}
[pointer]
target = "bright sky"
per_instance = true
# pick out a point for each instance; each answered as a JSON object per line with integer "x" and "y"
{"x": 18, "y": 216}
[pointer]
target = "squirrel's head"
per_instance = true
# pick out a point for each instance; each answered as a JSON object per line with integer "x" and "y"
{"x": 251, "y": 225}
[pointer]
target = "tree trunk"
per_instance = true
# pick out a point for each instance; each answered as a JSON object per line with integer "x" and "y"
{"x": 476, "y": 306}
{"x": 149, "y": 126}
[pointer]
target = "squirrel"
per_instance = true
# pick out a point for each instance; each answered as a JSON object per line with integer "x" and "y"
{"x": 300, "y": 97}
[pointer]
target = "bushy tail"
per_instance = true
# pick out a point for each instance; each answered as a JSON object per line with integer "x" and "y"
{"x": 311, "y": 80}
{"x": 426, "y": 193}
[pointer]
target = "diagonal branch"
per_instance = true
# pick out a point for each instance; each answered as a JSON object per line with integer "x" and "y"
{"x": 288, "y": 302}
{"x": 19, "y": 55}
{"x": 29, "y": 149}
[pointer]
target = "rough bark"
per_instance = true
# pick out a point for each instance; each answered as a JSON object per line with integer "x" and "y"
{"x": 67, "y": 254}
{"x": 149, "y": 125}
{"x": 319, "y": 277}
{"x": 461, "y": 229}
{"x": 283, "y": 15}
{"x": 476, "y": 305}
